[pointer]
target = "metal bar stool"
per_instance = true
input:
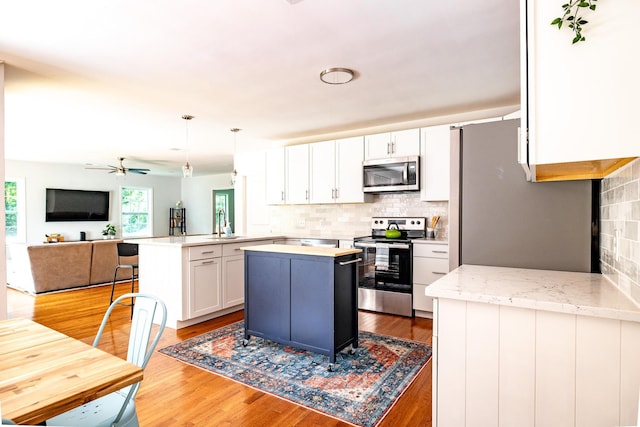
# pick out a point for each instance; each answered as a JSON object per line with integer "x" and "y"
{"x": 126, "y": 252}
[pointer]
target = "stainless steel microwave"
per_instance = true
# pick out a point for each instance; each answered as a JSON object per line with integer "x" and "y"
{"x": 391, "y": 174}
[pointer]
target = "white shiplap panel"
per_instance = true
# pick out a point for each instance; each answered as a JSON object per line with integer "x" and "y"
{"x": 555, "y": 369}
{"x": 482, "y": 364}
{"x": 517, "y": 367}
{"x": 630, "y": 369}
{"x": 451, "y": 358}
{"x": 597, "y": 372}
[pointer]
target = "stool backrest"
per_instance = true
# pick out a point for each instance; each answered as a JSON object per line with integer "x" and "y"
{"x": 127, "y": 249}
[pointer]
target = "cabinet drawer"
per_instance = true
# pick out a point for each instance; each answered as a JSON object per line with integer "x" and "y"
{"x": 433, "y": 250}
{"x": 229, "y": 249}
{"x": 427, "y": 270}
{"x": 420, "y": 300}
{"x": 203, "y": 252}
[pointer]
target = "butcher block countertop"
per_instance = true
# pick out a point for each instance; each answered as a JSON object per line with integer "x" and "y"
{"x": 587, "y": 294}
{"x": 303, "y": 250}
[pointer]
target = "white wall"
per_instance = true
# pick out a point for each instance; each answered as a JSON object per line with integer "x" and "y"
{"x": 39, "y": 176}
{"x": 197, "y": 199}
{"x": 3, "y": 263}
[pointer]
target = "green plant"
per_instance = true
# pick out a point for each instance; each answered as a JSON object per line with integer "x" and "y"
{"x": 109, "y": 229}
{"x": 571, "y": 11}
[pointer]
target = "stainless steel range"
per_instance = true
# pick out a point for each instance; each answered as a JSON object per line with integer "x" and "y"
{"x": 386, "y": 273}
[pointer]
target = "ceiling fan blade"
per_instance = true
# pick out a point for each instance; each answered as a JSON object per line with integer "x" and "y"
{"x": 138, "y": 171}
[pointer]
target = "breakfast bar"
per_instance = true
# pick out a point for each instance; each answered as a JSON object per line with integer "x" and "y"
{"x": 302, "y": 296}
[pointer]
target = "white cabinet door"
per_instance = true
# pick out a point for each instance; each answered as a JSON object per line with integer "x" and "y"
{"x": 406, "y": 143}
{"x": 232, "y": 280}
{"x": 430, "y": 262}
{"x": 393, "y": 144}
{"x": 322, "y": 161}
{"x": 275, "y": 176}
{"x": 434, "y": 164}
{"x": 204, "y": 287}
{"x": 297, "y": 164}
{"x": 378, "y": 145}
{"x": 349, "y": 157}
{"x": 594, "y": 121}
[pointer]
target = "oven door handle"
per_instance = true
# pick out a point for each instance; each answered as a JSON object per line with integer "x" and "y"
{"x": 364, "y": 245}
{"x": 390, "y": 245}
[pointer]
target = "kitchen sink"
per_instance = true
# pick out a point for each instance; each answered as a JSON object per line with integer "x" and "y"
{"x": 226, "y": 237}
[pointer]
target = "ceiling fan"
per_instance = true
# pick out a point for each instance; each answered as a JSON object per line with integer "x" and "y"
{"x": 120, "y": 170}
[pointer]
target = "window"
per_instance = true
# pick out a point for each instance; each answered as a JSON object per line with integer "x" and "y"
{"x": 135, "y": 212}
{"x": 15, "y": 228}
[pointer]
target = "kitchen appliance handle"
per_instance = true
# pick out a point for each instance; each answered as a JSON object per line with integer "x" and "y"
{"x": 405, "y": 173}
{"x": 353, "y": 261}
{"x": 364, "y": 245}
{"x": 373, "y": 245}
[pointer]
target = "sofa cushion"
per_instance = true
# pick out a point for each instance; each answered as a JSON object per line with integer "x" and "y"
{"x": 60, "y": 265}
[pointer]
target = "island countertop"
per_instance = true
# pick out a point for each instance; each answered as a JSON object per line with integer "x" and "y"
{"x": 588, "y": 294}
{"x": 198, "y": 240}
{"x": 303, "y": 250}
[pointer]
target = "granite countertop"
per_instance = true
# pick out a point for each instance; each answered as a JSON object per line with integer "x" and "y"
{"x": 559, "y": 291}
{"x": 197, "y": 240}
{"x": 303, "y": 250}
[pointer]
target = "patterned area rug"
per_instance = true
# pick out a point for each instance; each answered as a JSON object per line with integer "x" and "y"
{"x": 360, "y": 390}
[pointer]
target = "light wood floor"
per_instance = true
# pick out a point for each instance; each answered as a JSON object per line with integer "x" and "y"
{"x": 176, "y": 394}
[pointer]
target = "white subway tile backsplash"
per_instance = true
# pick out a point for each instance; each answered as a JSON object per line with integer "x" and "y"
{"x": 344, "y": 220}
{"x": 620, "y": 229}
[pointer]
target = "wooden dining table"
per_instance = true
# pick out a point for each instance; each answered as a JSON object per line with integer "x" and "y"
{"x": 44, "y": 373}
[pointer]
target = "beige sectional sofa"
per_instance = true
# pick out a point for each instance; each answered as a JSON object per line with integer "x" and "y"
{"x": 56, "y": 266}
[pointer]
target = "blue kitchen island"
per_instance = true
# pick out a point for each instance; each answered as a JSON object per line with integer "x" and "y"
{"x": 302, "y": 296}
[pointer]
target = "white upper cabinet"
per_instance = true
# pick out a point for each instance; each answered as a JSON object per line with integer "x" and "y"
{"x": 297, "y": 164}
{"x": 434, "y": 165}
{"x": 336, "y": 171}
{"x": 349, "y": 157}
{"x": 393, "y": 144}
{"x": 579, "y": 101}
{"x": 275, "y": 176}
{"x": 322, "y": 172}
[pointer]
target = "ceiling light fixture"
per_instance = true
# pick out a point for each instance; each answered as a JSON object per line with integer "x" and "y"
{"x": 336, "y": 76}
{"x": 187, "y": 169}
{"x": 234, "y": 174}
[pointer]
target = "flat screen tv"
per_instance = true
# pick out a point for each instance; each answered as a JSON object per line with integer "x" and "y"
{"x": 76, "y": 205}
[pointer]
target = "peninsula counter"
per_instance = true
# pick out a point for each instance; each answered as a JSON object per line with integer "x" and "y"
{"x": 525, "y": 347}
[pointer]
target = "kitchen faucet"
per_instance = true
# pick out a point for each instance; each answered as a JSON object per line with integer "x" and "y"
{"x": 221, "y": 211}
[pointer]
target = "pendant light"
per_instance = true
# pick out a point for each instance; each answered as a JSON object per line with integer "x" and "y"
{"x": 234, "y": 174}
{"x": 187, "y": 169}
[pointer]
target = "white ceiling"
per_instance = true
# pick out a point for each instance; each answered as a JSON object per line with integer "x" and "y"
{"x": 90, "y": 81}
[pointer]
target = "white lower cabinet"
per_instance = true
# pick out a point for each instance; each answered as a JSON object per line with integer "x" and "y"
{"x": 233, "y": 272}
{"x": 197, "y": 283}
{"x": 232, "y": 280}
{"x": 204, "y": 287}
{"x": 496, "y": 365}
{"x": 430, "y": 262}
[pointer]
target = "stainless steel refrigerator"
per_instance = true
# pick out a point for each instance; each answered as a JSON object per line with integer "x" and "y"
{"x": 501, "y": 219}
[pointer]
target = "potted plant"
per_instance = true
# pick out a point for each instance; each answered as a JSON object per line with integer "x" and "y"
{"x": 109, "y": 231}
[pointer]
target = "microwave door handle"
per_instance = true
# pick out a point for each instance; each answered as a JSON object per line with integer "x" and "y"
{"x": 405, "y": 173}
